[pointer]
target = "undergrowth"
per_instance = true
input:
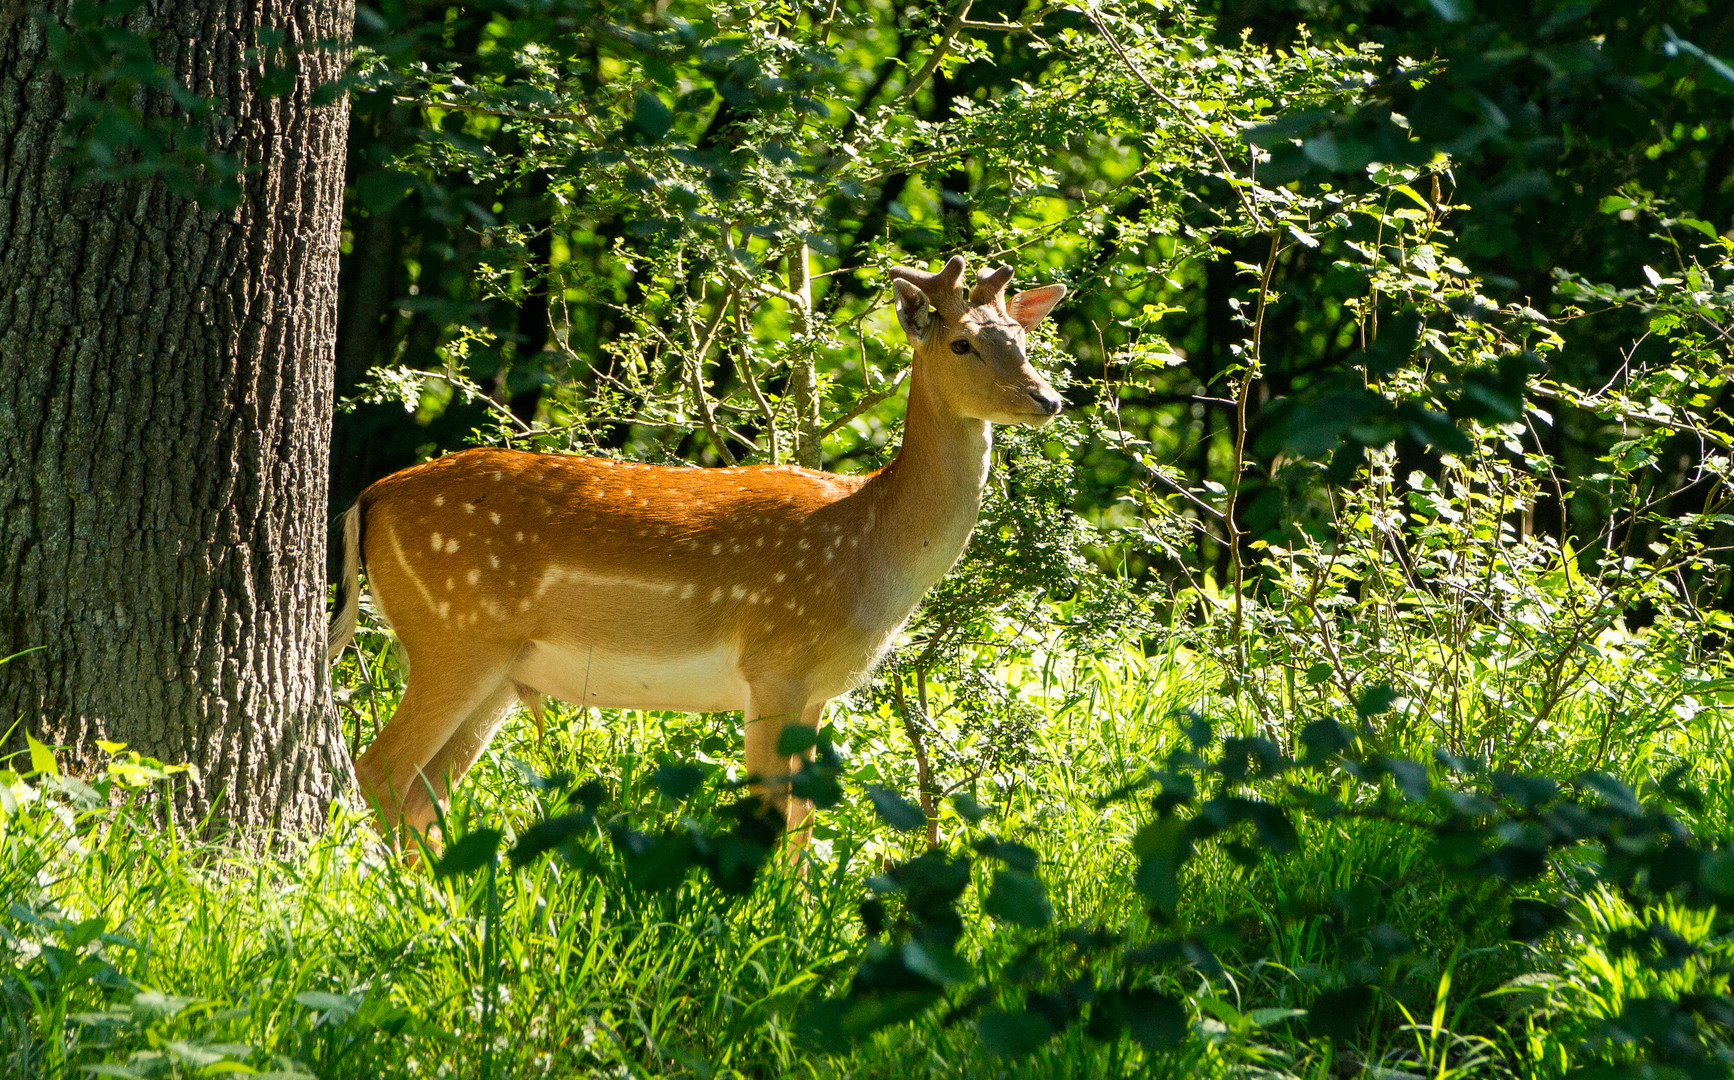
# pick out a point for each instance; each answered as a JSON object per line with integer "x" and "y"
{"x": 135, "y": 949}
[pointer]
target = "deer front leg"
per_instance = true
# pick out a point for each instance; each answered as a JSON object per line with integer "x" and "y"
{"x": 769, "y": 771}
{"x": 800, "y": 811}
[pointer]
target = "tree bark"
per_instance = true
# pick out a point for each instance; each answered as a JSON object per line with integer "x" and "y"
{"x": 165, "y": 410}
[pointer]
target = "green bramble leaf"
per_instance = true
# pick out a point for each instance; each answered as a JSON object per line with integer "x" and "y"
{"x": 1338, "y": 1013}
{"x": 1013, "y": 1034}
{"x": 1155, "y": 1021}
{"x": 678, "y": 781}
{"x": 968, "y": 809}
{"x": 474, "y": 850}
{"x": 1019, "y": 898}
{"x": 895, "y": 810}
{"x": 796, "y": 739}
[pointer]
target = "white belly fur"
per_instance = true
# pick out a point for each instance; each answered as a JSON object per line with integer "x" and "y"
{"x": 698, "y": 682}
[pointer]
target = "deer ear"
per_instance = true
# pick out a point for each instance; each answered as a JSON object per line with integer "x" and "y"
{"x": 912, "y": 309}
{"x": 1032, "y": 305}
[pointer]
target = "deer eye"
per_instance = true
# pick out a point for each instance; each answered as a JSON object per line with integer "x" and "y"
{"x": 960, "y": 346}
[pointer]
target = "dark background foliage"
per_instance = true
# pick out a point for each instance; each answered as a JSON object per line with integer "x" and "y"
{"x": 1398, "y": 354}
{"x": 1546, "y": 111}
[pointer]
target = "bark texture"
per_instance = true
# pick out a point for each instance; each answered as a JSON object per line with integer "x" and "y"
{"x": 165, "y": 405}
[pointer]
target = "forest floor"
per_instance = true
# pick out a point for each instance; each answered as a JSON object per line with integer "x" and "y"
{"x": 131, "y": 948}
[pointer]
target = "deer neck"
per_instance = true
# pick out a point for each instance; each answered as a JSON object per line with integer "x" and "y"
{"x": 927, "y": 500}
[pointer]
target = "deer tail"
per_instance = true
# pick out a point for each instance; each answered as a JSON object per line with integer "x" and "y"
{"x": 342, "y": 627}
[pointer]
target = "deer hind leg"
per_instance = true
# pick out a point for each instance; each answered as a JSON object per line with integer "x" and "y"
{"x": 431, "y": 793}
{"x": 442, "y": 693}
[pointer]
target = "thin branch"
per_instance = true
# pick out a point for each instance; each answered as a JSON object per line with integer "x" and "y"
{"x": 1590, "y": 402}
{"x": 865, "y": 402}
{"x": 1197, "y": 503}
{"x": 1250, "y": 375}
{"x": 1179, "y": 110}
{"x": 589, "y": 122}
{"x": 922, "y": 74}
{"x": 695, "y": 376}
{"x": 751, "y": 378}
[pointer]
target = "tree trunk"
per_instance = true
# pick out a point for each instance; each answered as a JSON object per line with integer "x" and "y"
{"x": 165, "y": 409}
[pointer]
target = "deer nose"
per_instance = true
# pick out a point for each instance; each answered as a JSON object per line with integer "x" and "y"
{"x": 1047, "y": 401}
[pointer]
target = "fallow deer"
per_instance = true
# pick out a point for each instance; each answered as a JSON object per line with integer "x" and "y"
{"x": 508, "y": 576}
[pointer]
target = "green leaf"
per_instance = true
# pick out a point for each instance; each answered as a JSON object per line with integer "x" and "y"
{"x": 1323, "y": 150}
{"x": 1158, "y": 879}
{"x": 678, "y": 781}
{"x": 196, "y": 1056}
{"x": 1015, "y": 855}
{"x": 1435, "y": 429}
{"x": 796, "y": 739}
{"x": 650, "y": 117}
{"x": 41, "y": 757}
{"x": 548, "y": 834}
{"x": 381, "y": 190}
{"x": 474, "y": 850}
{"x": 1375, "y": 700}
{"x": 1529, "y": 792}
{"x": 1534, "y": 919}
{"x": 1013, "y": 1034}
{"x": 968, "y": 809}
{"x": 1337, "y": 1013}
{"x": 1018, "y": 897}
{"x": 895, "y": 810}
{"x": 322, "y": 1001}
{"x": 1324, "y": 739}
{"x": 276, "y": 81}
{"x": 1156, "y": 1021}
{"x": 150, "y": 1005}
{"x": 1318, "y": 673}
{"x": 1275, "y": 830}
{"x": 1284, "y": 129}
{"x": 1261, "y": 1018}
{"x": 1615, "y": 792}
{"x": 659, "y": 864}
{"x": 334, "y": 1009}
{"x": 1716, "y": 872}
{"x": 1411, "y": 776}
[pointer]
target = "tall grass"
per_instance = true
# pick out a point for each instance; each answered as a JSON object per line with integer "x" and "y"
{"x": 134, "y": 949}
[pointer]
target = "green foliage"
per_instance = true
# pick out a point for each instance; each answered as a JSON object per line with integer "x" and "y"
{"x": 127, "y": 116}
{"x": 1341, "y": 686}
{"x": 1182, "y": 874}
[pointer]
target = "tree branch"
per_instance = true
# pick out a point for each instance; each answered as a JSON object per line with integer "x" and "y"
{"x": 931, "y": 64}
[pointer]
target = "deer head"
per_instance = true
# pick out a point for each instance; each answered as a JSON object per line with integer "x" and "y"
{"x": 969, "y": 346}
